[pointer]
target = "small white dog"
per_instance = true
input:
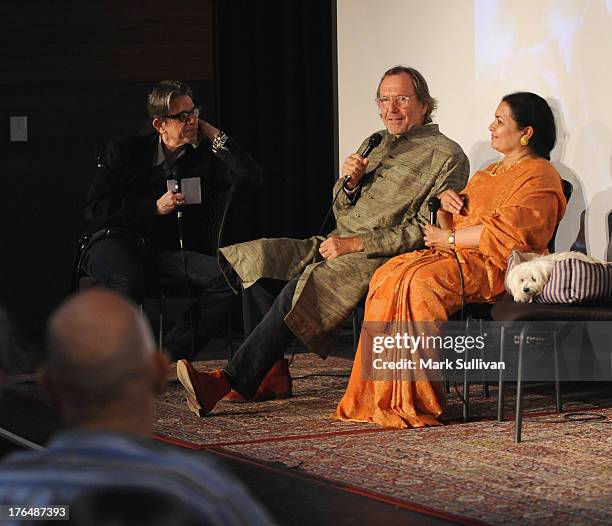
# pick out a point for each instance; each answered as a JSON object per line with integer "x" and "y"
{"x": 530, "y": 272}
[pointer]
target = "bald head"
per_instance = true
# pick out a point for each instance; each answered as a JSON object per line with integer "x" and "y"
{"x": 100, "y": 351}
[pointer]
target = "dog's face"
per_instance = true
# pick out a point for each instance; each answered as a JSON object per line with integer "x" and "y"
{"x": 527, "y": 279}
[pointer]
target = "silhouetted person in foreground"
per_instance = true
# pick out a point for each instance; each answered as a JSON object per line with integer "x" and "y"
{"x": 104, "y": 374}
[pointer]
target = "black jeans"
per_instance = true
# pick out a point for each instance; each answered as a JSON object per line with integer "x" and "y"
{"x": 267, "y": 340}
{"x": 124, "y": 263}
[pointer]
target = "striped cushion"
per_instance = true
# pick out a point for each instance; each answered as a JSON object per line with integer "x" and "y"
{"x": 576, "y": 281}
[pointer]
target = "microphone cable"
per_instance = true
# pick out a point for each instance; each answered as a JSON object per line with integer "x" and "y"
{"x": 433, "y": 204}
{"x": 176, "y": 174}
{"x": 331, "y": 207}
{"x": 461, "y": 282}
{"x": 374, "y": 140}
{"x": 460, "y": 395}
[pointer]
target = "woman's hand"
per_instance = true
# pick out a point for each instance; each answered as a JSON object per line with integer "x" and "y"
{"x": 437, "y": 237}
{"x": 451, "y": 201}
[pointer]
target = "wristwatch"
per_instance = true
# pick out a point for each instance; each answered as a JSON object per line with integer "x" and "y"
{"x": 451, "y": 238}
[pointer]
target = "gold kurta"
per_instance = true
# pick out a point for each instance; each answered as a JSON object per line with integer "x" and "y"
{"x": 519, "y": 210}
{"x": 388, "y": 215}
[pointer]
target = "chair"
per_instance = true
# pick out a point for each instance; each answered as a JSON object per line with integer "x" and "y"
{"x": 524, "y": 317}
{"x": 215, "y": 206}
{"x": 483, "y": 311}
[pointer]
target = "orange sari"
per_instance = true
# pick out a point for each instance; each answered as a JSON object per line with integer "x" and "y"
{"x": 519, "y": 209}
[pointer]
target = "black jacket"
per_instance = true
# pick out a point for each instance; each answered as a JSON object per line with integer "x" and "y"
{"x": 126, "y": 187}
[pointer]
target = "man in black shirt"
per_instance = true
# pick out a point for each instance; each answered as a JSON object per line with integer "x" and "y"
{"x": 130, "y": 208}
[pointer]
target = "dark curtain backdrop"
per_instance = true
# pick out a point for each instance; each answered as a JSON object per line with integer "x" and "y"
{"x": 275, "y": 95}
{"x": 80, "y": 72}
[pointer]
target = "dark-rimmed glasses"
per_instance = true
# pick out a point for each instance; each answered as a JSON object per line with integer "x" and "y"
{"x": 183, "y": 116}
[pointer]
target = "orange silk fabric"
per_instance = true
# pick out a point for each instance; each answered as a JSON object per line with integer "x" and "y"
{"x": 519, "y": 210}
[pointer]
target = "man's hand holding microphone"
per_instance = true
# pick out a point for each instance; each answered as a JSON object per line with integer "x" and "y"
{"x": 167, "y": 203}
{"x": 353, "y": 169}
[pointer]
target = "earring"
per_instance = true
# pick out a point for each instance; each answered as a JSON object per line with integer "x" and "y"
{"x": 524, "y": 140}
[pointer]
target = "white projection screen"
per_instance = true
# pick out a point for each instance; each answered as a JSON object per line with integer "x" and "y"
{"x": 472, "y": 52}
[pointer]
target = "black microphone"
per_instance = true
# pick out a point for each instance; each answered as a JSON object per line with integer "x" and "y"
{"x": 433, "y": 204}
{"x": 177, "y": 174}
{"x": 373, "y": 142}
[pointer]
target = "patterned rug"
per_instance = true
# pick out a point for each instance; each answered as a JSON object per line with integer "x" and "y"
{"x": 469, "y": 473}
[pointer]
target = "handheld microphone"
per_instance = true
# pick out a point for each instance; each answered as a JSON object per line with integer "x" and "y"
{"x": 433, "y": 204}
{"x": 177, "y": 174}
{"x": 374, "y": 140}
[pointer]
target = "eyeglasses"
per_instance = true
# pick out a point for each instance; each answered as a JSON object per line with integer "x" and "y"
{"x": 401, "y": 101}
{"x": 183, "y": 116}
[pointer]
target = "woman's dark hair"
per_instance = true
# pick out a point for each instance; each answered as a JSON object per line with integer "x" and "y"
{"x": 529, "y": 109}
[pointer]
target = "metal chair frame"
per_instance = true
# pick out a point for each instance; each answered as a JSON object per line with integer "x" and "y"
{"x": 482, "y": 311}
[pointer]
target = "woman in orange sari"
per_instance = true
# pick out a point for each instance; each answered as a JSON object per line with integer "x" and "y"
{"x": 514, "y": 204}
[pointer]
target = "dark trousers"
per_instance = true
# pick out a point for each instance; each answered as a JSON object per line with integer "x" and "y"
{"x": 264, "y": 314}
{"x": 125, "y": 265}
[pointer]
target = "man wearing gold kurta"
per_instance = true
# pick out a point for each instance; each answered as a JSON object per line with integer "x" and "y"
{"x": 380, "y": 213}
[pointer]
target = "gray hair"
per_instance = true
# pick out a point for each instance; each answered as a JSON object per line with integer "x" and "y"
{"x": 162, "y": 96}
{"x": 420, "y": 87}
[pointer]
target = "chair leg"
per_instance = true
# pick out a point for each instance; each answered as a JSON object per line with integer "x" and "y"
{"x": 485, "y": 383}
{"x": 229, "y": 337}
{"x": 160, "y": 333}
{"x": 558, "y": 403}
{"x": 466, "y": 391}
{"x": 446, "y": 381}
{"x": 500, "y": 383}
{"x": 194, "y": 330}
{"x": 445, "y": 375}
{"x": 518, "y": 417}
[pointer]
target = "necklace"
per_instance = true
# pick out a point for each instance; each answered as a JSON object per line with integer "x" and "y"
{"x": 496, "y": 167}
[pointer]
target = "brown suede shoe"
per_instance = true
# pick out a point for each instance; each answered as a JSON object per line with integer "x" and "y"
{"x": 277, "y": 384}
{"x": 204, "y": 390}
